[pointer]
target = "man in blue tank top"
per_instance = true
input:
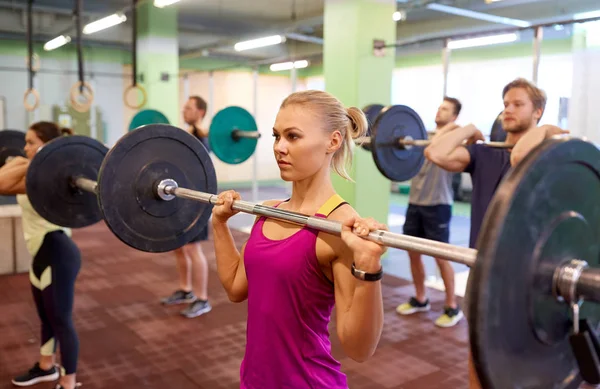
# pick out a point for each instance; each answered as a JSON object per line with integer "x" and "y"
{"x": 191, "y": 261}
{"x": 524, "y": 104}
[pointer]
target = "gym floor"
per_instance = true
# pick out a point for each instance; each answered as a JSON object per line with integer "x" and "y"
{"x": 128, "y": 340}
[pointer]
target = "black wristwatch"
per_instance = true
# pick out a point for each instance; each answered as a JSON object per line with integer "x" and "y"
{"x": 361, "y": 275}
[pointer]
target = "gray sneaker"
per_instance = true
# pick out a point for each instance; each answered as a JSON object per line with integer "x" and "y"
{"x": 197, "y": 308}
{"x": 179, "y": 297}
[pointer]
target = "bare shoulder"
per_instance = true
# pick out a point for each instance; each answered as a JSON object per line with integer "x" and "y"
{"x": 343, "y": 213}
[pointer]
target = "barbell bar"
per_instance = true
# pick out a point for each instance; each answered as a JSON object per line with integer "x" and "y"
{"x": 168, "y": 189}
{"x": 406, "y": 143}
{"x": 537, "y": 253}
{"x": 233, "y": 132}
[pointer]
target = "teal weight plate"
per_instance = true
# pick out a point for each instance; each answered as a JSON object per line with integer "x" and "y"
{"x": 147, "y": 116}
{"x": 225, "y": 147}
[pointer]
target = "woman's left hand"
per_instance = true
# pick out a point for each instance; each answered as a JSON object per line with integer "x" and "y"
{"x": 367, "y": 254}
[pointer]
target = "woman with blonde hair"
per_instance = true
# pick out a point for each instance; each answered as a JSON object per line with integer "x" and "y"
{"x": 292, "y": 276}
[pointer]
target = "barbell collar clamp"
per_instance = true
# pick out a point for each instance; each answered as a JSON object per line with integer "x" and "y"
{"x": 165, "y": 189}
{"x": 566, "y": 279}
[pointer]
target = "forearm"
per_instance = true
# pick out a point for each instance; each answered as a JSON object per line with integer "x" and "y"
{"x": 443, "y": 145}
{"x": 12, "y": 178}
{"x": 527, "y": 143}
{"x": 227, "y": 256}
{"x": 363, "y": 322}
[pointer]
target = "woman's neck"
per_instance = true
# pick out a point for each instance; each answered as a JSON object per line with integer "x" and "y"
{"x": 311, "y": 193}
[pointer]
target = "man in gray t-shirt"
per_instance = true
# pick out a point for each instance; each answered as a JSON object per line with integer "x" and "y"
{"x": 428, "y": 216}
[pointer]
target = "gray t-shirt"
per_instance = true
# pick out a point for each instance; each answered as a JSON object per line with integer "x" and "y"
{"x": 431, "y": 186}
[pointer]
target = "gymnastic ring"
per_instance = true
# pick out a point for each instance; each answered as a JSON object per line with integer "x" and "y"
{"x": 36, "y": 95}
{"x": 144, "y": 96}
{"x": 35, "y": 67}
{"x": 89, "y": 96}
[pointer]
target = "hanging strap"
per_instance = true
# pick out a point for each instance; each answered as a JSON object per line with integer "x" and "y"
{"x": 78, "y": 7}
{"x": 134, "y": 40}
{"x": 30, "y": 42}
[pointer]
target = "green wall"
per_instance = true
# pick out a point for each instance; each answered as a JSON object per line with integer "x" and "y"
{"x": 100, "y": 54}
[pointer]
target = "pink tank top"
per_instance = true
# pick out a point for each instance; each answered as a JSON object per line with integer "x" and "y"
{"x": 289, "y": 308}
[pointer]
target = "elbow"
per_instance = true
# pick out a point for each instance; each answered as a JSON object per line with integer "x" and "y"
{"x": 433, "y": 156}
{"x": 364, "y": 349}
{"x": 236, "y": 297}
{"x": 515, "y": 158}
{"x": 362, "y": 356}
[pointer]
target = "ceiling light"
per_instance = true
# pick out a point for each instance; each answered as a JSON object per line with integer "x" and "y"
{"x": 57, "y": 42}
{"x": 104, "y": 23}
{"x": 477, "y": 15}
{"x": 276, "y": 67}
{"x": 260, "y": 42}
{"x": 164, "y": 3}
{"x": 399, "y": 15}
{"x": 482, "y": 41}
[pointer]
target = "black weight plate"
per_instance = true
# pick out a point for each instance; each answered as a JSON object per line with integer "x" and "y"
{"x": 544, "y": 213}
{"x": 497, "y": 134}
{"x": 393, "y": 123}
{"x": 12, "y": 144}
{"x": 49, "y": 181}
{"x": 371, "y": 111}
{"x": 131, "y": 171}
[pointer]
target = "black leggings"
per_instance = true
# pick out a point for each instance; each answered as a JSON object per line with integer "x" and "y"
{"x": 55, "y": 268}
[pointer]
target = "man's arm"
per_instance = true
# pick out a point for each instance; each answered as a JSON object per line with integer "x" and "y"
{"x": 447, "y": 151}
{"x": 531, "y": 140}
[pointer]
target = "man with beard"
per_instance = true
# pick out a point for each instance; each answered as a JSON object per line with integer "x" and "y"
{"x": 428, "y": 216}
{"x": 524, "y": 105}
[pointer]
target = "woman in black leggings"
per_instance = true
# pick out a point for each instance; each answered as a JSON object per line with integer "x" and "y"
{"x": 56, "y": 263}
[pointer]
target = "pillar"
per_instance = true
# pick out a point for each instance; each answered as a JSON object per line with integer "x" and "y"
{"x": 158, "y": 58}
{"x": 358, "y": 78}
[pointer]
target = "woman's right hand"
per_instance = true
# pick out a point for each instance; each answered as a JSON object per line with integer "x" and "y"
{"x": 222, "y": 209}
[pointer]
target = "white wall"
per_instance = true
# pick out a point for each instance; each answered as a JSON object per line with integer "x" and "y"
{"x": 478, "y": 85}
{"x": 237, "y": 88}
{"x": 584, "y": 107}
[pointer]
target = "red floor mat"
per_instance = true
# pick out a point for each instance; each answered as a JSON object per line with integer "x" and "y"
{"x": 128, "y": 340}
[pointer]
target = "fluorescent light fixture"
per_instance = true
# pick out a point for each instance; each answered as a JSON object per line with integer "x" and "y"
{"x": 57, "y": 42}
{"x": 277, "y": 67}
{"x": 164, "y": 3}
{"x": 482, "y": 41}
{"x": 587, "y": 15}
{"x": 104, "y": 23}
{"x": 477, "y": 15}
{"x": 260, "y": 42}
{"x": 399, "y": 15}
